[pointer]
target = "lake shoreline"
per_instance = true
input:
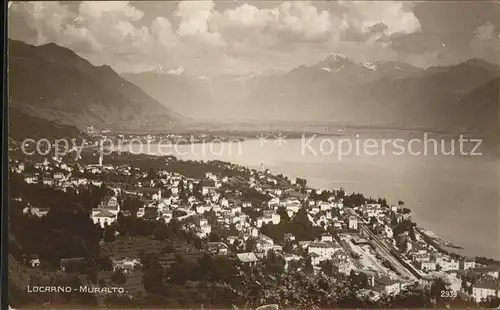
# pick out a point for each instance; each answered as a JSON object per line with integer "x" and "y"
{"x": 455, "y": 182}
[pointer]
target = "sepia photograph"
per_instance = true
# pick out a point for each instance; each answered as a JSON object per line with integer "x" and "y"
{"x": 266, "y": 155}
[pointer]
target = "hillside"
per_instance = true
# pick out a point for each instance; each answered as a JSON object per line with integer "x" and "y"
{"x": 480, "y": 110}
{"x": 38, "y": 128}
{"x": 53, "y": 83}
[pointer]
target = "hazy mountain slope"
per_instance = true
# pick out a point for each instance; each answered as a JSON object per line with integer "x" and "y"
{"x": 53, "y": 83}
{"x": 480, "y": 108}
{"x": 335, "y": 89}
{"x": 479, "y": 112}
{"x": 430, "y": 99}
{"x": 186, "y": 94}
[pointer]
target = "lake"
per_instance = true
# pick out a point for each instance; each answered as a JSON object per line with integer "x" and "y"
{"x": 457, "y": 197}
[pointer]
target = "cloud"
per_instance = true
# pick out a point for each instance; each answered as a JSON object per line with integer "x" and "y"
{"x": 107, "y": 9}
{"x": 201, "y": 36}
{"x": 486, "y": 42}
{"x": 290, "y": 21}
{"x": 46, "y": 18}
{"x": 485, "y": 33}
{"x": 395, "y": 16}
{"x": 194, "y": 17}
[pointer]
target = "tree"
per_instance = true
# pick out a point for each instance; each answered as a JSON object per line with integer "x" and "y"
{"x": 250, "y": 245}
{"x": 179, "y": 271}
{"x": 132, "y": 204}
{"x": 382, "y": 202}
{"x": 109, "y": 234}
{"x": 327, "y": 267}
{"x": 214, "y": 237}
{"x": 92, "y": 274}
{"x": 153, "y": 274}
{"x": 411, "y": 233}
{"x": 151, "y": 174}
{"x": 287, "y": 247}
{"x": 358, "y": 280}
{"x": 119, "y": 277}
{"x": 436, "y": 288}
{"x": 308, "y": 267}
{"x": 394, "y": 220}
{"x": 302, "y": 228}
{"x": 161, "y": 231}
{"x": 340, "y": 193}
{"x": 237, "y": 245}
{"x": 283, "y": 215}
{"x": 273, "y": 263}
{"x": 464, "y": 285}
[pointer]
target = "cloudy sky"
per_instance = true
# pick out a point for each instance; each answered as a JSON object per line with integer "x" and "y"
{"x": 220, "y": 37}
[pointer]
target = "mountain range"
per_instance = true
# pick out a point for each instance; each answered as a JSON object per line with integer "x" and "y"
{"x": 52, "y": 83}
{"x": 335, "y": 89}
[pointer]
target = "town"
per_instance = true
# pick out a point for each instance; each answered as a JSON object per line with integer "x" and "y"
{"x": 188, "y": 233}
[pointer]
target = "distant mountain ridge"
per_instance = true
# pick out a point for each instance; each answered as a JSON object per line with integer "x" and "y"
{"x": 53, "y": 83}
{"x": 336, "y": 89}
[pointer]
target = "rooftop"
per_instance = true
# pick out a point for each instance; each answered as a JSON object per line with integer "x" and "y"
{"x": 247, "y": 257}
{"x": 104, "y": 213}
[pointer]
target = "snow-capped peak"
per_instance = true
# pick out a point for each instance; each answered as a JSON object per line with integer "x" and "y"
{"x": 177, "y": 71}
{"x": 334, "y": 63}
{"x": 370, "y": 65}
{"x": 335, "y": 58}
{"x": 159, "y": 70}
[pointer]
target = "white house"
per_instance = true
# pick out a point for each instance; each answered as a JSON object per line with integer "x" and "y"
{"x": 427, "y": 265}
{"x": 293, "y": 205}
{"x": 31, "y": 179}
{"x": 388, "y": 286}
{"x": 482, "y": 291}
{"x": 467, "y": 264}
{"x": 203, "y": 208}
{"x": 353, "y": 223}
{"x": 325, "y": 206}
{"x": 273, "y": 202}
{"x": 290, "y": 257}
{"x": 126, "y": 264}
{"x": 447, "y": 263}
{"x": 323, "y": 249}
{"x": 327, "y": 237}
{"x": 103, "y": 217}
{"x": 268, "y": 218}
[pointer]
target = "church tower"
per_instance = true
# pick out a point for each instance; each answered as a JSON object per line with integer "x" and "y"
{"x": 100, "y": 153}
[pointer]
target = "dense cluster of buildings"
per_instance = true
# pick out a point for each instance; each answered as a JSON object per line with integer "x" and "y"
{"x": 363, "y": 239}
